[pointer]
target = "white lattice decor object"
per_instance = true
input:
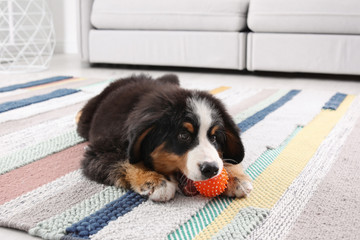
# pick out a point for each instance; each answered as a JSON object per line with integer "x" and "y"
{"x": 27, "y": 37}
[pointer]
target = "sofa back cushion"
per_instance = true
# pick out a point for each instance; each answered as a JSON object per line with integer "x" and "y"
{"x": 305, "y": 16}
{"x": 197, "y": 15}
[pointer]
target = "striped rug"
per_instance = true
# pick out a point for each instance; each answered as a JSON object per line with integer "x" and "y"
{"x": 291, "y": 138}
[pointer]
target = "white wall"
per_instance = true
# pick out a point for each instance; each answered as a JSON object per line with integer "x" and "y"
{"x": 64, "y": 15}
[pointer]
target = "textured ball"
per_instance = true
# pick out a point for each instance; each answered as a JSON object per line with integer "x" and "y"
{"x": 213, "y": 186}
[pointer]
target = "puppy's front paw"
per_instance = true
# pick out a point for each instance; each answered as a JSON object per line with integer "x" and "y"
{"x": 148, "y": 183}
{"x": 238, "y": 187}
{"x": 164, "y": 192}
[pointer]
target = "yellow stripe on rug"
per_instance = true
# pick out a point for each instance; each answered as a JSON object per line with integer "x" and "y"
{"x": 219, "y": 90}
{"x": 271, "y": 184}
{"x": 52, "y": 84}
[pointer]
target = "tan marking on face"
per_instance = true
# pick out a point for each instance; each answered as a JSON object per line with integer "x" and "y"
{"x": 78, "y": 115}
{"x": 139, "y": 141}
{"x": 189, "y": 127}
{"x": 167, "y": 162}
{"x": 214, "y": 129}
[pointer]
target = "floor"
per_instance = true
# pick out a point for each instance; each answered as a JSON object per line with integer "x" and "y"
{"x": 71, "y": 65}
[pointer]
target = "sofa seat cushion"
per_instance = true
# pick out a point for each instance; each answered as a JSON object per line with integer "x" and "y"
{"x": 199, "y": 15}
{"x": 305, "y": 16}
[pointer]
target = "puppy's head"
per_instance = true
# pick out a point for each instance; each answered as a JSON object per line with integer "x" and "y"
{"x": 183, "y": 131}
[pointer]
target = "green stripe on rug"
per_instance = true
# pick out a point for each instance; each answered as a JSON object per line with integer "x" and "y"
{"x": 243, "y": 223}
{"x": 30, "y": 154}
{"x": 268, "y": 157}
{"x": 198, "y": 222}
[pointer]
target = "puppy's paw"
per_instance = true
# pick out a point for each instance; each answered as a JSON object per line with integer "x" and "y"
{"x": 164, "y": 192}
{"x": 239, "y": 187}
{"x": 148, "y": 183}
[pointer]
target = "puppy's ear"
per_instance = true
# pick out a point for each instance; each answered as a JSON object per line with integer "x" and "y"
{"x": 233, "y": 147}
{"x": 169, "y": 79}
{"x": 143, "y": 126}
{"x": 135, "y": 150}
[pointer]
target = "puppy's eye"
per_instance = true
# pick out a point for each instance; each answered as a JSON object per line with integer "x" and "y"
{"x": 184, "y": 137}
{"x": 213, "y": 139}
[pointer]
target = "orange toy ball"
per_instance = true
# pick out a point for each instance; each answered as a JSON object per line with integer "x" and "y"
{"x": 213, "y": 186}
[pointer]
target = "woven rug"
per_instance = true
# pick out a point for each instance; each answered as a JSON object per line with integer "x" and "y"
{"x": 291, "y": 138}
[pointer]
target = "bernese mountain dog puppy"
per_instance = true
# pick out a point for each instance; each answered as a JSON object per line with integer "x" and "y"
{"x": 154, "y": 137}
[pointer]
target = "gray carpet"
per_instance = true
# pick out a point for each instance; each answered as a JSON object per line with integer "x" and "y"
{"x": 333, "y": 212}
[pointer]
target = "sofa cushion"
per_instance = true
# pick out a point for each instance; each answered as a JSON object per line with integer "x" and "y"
{"x": 305, "y": 16}
{"x": 298, "y": 52}
{"x": 199, "y": 15}
{"x": 221, "y": 50}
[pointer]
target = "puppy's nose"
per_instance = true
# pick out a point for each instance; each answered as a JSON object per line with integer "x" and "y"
{"x": 209, "y": 169}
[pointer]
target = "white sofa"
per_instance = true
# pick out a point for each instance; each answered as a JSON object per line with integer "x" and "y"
{"x": 319, "y": 36}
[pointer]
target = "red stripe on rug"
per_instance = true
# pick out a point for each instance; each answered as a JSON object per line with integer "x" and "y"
{"x": 36, "y": 174}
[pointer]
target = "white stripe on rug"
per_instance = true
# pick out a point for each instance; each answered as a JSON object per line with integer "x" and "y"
{"x": 74, "y": 193}
{"x": 195, "y": 85}
{"x": 21, "y": 124}
{"x": 36, "y": 134}
{"x": 49, "y": 105}
{"x": 131, "y": 225}
{"x": 278, "y": 125}
{"x": 291, "y": 204}
{"x": 4, "y": 95}
{"x": 233, "y": 95}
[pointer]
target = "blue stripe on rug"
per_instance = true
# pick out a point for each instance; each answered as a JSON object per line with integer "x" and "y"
{"x": 98, "y": 220}
{"x": 7, "y": 106}
{"x": 335, "y": 101}
{"x": 33, "y": 83}
{"x": 257, "y": 117}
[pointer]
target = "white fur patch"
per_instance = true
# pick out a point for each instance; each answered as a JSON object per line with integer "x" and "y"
{"x": 204, "y": 151}
{"x": 164, "y": 193}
